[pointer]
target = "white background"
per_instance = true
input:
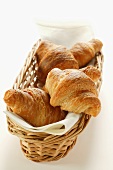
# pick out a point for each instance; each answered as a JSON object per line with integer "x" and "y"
{"x": 18, "y": 32}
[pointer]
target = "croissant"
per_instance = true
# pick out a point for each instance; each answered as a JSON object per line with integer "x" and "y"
{"x": 33, "y": 105}
{"x": 73, "y": 91}
{"x": 43, "y": 48}
{"x": 84, "y": 52}
{"x": 92, "y": 72}
{"x": 51, "y": 56}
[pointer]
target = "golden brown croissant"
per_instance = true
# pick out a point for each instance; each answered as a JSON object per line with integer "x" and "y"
{"x": 84, "y": 52}
{"x": 33, "y": 105}
{"x": 43, "y": 48}
{"x": 73, "y": 90}
{"x": 51, "y": 56}
{"x": 92, "y": 72}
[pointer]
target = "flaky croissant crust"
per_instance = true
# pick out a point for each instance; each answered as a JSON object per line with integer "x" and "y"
{"x": 33, "y": 105}
{"x": 83, "y": 52}
{"x": 51, "y": 56}
{"x": 73, "y": 90}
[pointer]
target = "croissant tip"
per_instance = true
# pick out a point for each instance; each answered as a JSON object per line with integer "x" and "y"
{"x": 8, "y": 96}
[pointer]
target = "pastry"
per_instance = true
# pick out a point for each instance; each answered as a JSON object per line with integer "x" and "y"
{"x": 33, "y": 105}
{"x": 84, "y": 52}
{"x": 92, "y": 72}
{"x": 51, "y": 56}
{"x": 73, "y": 91}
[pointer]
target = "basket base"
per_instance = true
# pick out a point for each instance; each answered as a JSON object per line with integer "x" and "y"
{"x": 35, "y": 155}
{"x": 43, "y": 147}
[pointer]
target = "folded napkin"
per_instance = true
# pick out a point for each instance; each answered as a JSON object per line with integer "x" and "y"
{"x": 65, "y": 33}
{"x": 58, "y": 128}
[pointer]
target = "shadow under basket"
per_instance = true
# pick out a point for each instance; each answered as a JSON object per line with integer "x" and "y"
{"x": 40, "y": 146}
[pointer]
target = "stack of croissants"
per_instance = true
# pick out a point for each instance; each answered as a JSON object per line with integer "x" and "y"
{"x": 67, "y": 84}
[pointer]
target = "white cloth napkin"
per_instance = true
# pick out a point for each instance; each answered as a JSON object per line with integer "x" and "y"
{"x": 54, "y": 128}
{"x": 65, "y": 33}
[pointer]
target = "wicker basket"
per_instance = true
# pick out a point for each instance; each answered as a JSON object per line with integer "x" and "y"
{"x": 40, "y": 146}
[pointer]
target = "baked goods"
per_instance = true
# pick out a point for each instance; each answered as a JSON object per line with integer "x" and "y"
{"x": 73, "y": 91}
{"x": 33, "y": 105}
{"x": 92, "y": 72}
{"x": 84, "y": 52}
{"x": 70, "y": 87}
{"x": 44, "y": 46}
{"x": 51, "y": 56}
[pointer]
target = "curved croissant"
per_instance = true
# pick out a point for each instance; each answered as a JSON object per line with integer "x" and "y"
{"x": 33, "y": 105}
{"x": 51, "y": 56}
{"x": 43, "y": 48}
{"x": 92, "y": 72}
{"x": 73, "y": 90}
{"x": 84, "y": 52}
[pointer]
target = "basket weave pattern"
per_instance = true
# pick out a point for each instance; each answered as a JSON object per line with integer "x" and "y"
{"x": 40, "y": 146}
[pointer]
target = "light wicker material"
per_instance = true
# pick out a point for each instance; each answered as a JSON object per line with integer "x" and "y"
{"x": 40, "y": 146}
